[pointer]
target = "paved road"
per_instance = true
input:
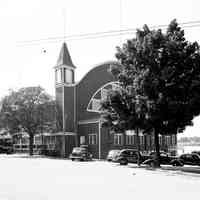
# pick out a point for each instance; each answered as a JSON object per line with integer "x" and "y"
{"x": 24, "y": 178}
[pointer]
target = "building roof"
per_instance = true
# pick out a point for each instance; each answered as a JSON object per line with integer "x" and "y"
{"x": 64, "y": 57}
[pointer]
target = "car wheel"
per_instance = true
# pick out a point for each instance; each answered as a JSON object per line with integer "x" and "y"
{"x": 180, "y": 164}
{"x": 72, "y": 159}
{"x": 123, "y": 162}
{"x": 177, "y": 164}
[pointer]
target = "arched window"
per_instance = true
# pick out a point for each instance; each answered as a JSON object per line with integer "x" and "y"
{"x": 100, "y": 94}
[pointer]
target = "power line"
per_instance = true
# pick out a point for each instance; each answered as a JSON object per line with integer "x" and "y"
{"x": 98, "y": 34}
{"x": 88, "y": 36}
{"x": 95, "y": 35}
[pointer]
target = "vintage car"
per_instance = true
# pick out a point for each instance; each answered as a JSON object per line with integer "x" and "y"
{"x": 81, "y": 154}
{"x": 112, "y": 154}
{"x": 165, "y": 159}
{"x": 126, "y": 156}
{"x": 189, "y": 159}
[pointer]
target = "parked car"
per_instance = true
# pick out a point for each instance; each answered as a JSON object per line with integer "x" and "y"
{"x": 189, "y": 159}
{"x": 112, "y": 154}
{"x": 6, "y": 149}
{"x": 126, "y": 156}
{"x": 197, "y": 152}
{"x": 80, "y": 153}
{"x": 165, "y": 159}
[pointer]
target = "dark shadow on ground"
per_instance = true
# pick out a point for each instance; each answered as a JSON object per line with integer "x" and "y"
{"x": 175, "y": 170}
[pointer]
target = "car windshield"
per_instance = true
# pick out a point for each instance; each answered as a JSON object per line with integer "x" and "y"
{"x": 78, "y": 150}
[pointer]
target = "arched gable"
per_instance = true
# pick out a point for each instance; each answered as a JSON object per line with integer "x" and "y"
{"x": 94, "y": 79}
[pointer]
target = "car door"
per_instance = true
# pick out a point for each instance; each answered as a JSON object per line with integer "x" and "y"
{"x": 188, "y": 159}
{"x": 133, "y": 156}
{"x": 183, "y": 158}
{"x": 126, "y": 155}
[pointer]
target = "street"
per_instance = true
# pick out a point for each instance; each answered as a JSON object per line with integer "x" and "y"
{"x": 25, "y": 178}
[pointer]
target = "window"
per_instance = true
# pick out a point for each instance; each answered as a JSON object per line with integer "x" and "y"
{"x": 130, "y": 139}
{"x": 92, "y": 139}
{"x": 50, "y": 141}
{"x": 173, "y": 139}
{"x": 95, "y": 104}
{"x": 118, "y": 139}
{"x": 99, "y": 95}
{"x": 182, "y": 156}
{"x": 58, "y": 75}
{"x": 195, "y": 157}
{"x": 148, "y": 139}
{"x": 141, "y": 138}
{"x": 68, "y": 75}
{"x": 104, "y": 93}
{"x": 37, "y": 140}
{"x": 168, "y": 140}
{"x": 160, "y": 139}
{"x": 82, "y": 139}
{"x": 152, "y": 140}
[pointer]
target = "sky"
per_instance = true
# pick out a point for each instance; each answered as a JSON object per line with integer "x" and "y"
{"x": 27, "y": 64}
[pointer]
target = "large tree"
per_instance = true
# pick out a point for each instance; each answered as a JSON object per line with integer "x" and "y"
{"x": 160, "y": 77}
{"x": 122, "y": 110}
{"x": 29, "y": 109}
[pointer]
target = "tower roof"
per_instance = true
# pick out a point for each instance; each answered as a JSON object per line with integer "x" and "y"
{"x": 64, "y": 57}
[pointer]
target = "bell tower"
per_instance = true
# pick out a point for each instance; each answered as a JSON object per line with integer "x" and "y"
{"x": 64, "y": 69}
{"x": 65, "y": 90}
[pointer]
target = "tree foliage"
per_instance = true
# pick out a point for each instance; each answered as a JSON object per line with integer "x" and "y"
{"x": 29, "y": 109}
{"x": 160, "y": 82}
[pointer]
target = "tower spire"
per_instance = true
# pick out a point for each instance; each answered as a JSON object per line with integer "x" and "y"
{"x": 64, "y": 57}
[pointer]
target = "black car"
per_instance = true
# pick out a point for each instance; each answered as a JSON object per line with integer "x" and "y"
{"x": 126, "y": 156}
{"x": 80, "y": 153}
{"x": 165, "y": 159}
{"x": 189, "y": 159}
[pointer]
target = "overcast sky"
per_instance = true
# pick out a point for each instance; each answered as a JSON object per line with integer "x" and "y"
{"x": 26, "y": 20}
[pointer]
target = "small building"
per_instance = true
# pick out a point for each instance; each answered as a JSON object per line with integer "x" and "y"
{"x": 79, "y": 104}
{"x": 51, "y": 144}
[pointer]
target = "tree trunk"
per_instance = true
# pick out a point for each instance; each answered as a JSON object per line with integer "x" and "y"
{"x": 157, "y": 148}
{"x": 138, "y": 145}
{"x": 31, "y": 136}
